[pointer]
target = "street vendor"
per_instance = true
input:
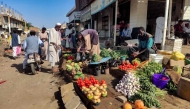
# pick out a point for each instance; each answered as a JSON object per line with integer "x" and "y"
{"x": 145, "y": 46}
{"x": 91, "y": 40}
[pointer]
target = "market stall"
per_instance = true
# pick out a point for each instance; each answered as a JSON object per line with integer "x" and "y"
{"x": 105, "y": 76}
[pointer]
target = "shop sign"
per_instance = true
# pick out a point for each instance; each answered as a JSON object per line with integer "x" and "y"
{"x": 74, "y": 16}
{"x": 85, "y": 17}
{"x": 99, "y": 5}
{"x": 85, "y": 14}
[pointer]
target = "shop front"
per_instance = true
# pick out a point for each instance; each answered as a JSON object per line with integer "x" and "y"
{"x": 85, "y": 22}
{"x": 74, "y": 18}
{"x": 102, "y": 16}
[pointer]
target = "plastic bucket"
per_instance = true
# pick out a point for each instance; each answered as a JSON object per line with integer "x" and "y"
{"x": 158, "y": 80}
{"x": 107, "y": 71}
{"x": 97, "y": 72}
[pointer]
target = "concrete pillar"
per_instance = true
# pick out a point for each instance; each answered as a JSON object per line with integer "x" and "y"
{"x": 186, "y": 9}
{"x": 138, "y": 13}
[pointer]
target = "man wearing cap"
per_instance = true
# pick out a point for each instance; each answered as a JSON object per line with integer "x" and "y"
{"x": 54, "y": 46}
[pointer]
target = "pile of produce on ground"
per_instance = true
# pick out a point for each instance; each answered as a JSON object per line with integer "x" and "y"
{"x": 139, "y": 86}
{"x": 93, "y": 89}
{"x": 128, "y": 85}
{"x": 68, "y": 56}
{"x": 124, "y": 66}
{"x": 148, "y": 92}
{"x": 114, "y": 54}
{"x": 96, "y": 58}
{"x": 177, "y": 56}
{"x": 139, "y": 104}
{"x": 75, "y": 69}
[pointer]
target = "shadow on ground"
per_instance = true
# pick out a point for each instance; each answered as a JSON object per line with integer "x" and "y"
{"x": 59, "y": 99}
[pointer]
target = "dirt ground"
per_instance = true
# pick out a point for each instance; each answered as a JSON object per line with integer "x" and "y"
{"x": 22, "y": 91}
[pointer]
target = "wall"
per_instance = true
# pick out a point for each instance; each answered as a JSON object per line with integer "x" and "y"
{"x": 186, "y": 9}
{"x": 106, "y": 12}
{"x": 138, "y": 13}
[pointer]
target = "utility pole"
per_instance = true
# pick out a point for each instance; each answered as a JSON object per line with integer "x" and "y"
{"x": 165, "y": 24}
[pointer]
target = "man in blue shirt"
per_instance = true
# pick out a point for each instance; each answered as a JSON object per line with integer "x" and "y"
{"x": 31, "y": 45}
{"x": 145, "y": 47}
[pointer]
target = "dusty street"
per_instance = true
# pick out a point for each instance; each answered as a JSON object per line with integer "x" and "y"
{"x": 22, "y": 91}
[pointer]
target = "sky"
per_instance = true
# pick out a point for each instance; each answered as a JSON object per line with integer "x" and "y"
{"x": 42, "y": 12}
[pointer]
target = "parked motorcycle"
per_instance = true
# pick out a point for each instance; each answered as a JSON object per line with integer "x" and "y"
{"x": 34, "y": 62}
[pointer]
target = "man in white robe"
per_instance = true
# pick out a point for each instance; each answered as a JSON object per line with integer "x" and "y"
{"x": 54, "y": 46}
{"x": 159, "y": 29}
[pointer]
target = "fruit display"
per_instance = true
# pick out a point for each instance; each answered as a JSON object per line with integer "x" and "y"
{"x": 93, "y": 89}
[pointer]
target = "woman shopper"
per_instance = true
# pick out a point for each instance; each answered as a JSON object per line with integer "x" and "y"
{"x": 91, "y": 38}
{"x": 44, "y": 37}
{"x": 146, "y": 45}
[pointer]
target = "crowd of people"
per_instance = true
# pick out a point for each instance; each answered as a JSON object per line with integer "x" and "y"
{"x": 50, "y": 44}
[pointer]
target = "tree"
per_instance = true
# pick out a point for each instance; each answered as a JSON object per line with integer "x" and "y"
{"x": 28, "y": 25}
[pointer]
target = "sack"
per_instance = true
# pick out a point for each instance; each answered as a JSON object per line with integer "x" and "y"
{"x": 78, "y": 57}
{"x": 18, "y": 50}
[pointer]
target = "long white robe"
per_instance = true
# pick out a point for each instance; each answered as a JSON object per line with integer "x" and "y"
{"x": 53, "y": 55}
{"x": 159, "y": 29}
{"x": 69, "y": 43}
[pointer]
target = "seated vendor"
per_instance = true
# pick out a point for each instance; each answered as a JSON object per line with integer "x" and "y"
{"x": 145, "y": 45}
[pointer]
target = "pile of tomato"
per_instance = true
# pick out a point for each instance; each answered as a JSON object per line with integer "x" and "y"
{"x": 89, "y": 81}
{"x": 125, "y": 66}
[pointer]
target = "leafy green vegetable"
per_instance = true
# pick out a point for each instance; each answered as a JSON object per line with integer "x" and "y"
{"x": 104, "y": 53}
{"x": 114, "y": 55}
{"x": 96, "y": 58}
{"x": 148, "y": 91}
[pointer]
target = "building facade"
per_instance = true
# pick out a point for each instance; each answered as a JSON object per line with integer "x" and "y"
{"x": 101, "y": 15}
{"x": 10, "y": 19}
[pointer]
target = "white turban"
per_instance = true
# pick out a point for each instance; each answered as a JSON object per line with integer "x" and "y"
{"x": 58, "y": 24}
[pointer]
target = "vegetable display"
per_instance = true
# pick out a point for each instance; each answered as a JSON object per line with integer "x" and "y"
{"x": 148, "y": 91}
{"x": 128, "y": 85}
{"x": 96, "y": 58}
{"x": 93, "y": 89}
{"x": 136, "y": 61}
{"x": 104, "y": 53}
{"x": 114, "y": 55}
{"x": 75, "y": 70}
{"x": 150, "y": 69}
{"x": 125, "y": 66}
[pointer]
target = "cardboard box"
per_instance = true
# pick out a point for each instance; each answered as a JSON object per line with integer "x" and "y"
{"x": 183, "y": 88}
{"x": 169, "y": 63}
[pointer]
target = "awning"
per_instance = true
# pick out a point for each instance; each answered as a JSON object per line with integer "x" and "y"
{"x": 74, "y": 16}
{"x": 99, "y": 5}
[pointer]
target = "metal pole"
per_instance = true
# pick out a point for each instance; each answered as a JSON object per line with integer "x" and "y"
{"x": 165, "y": 24}
{"x": 116, "y": 5}
{"x": 169, "y": 18}
{"x": 9, "y": 24}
